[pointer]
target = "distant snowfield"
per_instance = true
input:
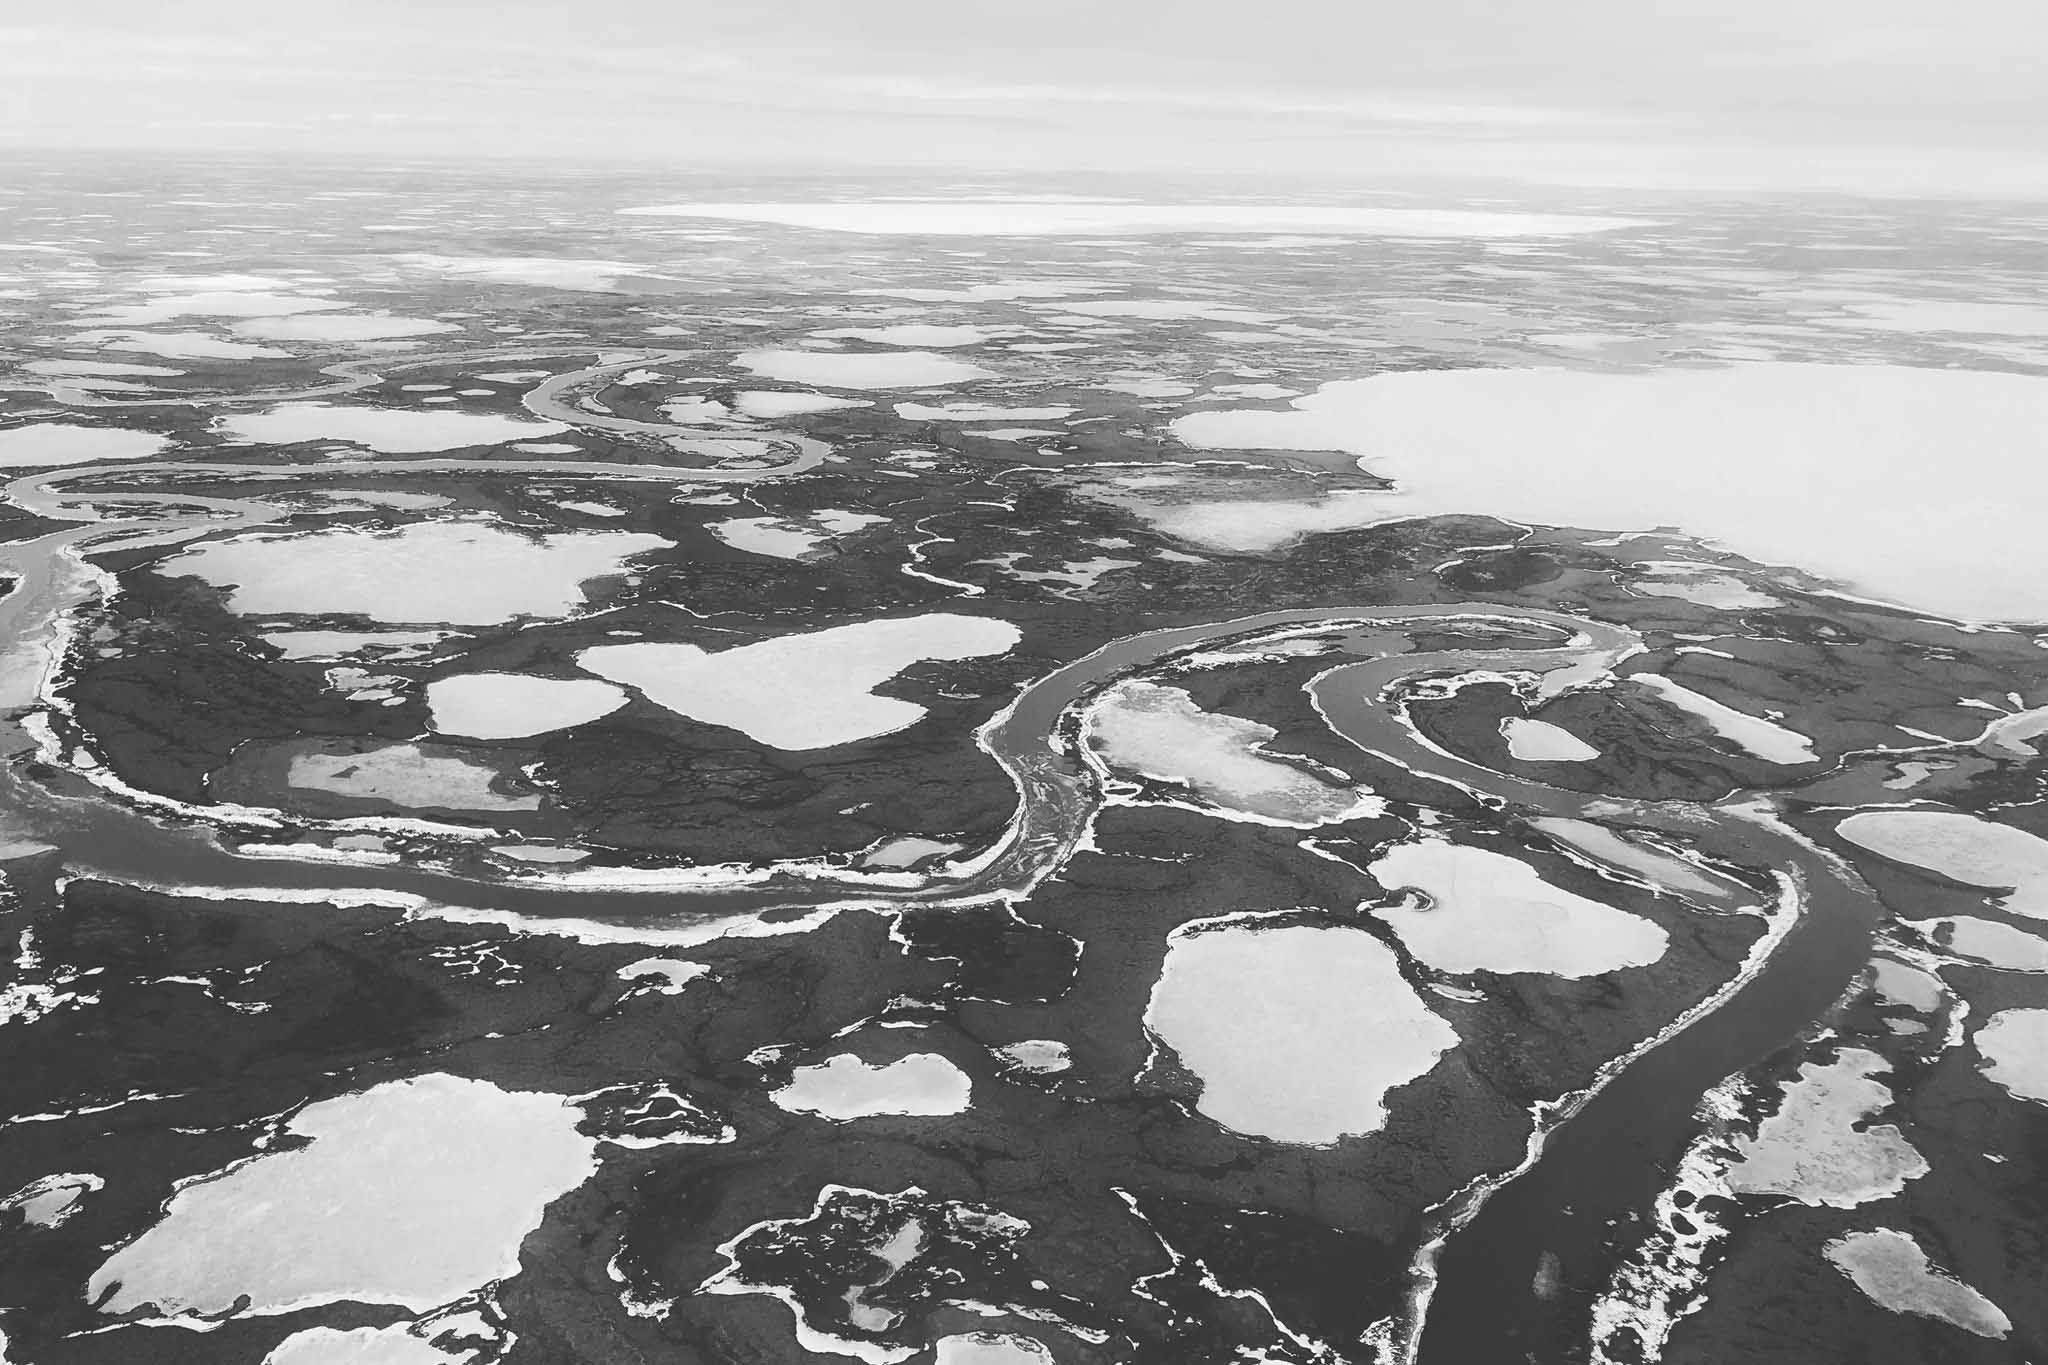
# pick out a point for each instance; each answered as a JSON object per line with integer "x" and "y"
{"x": 1034, "y": 218}
{"x": 881, "y": 370}
{"x": 58, "y": 443}
{"x": 1920, "y": 486}
{"x": 548, "y": 272}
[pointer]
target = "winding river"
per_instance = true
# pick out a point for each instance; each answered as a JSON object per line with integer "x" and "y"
{"x": 1477, "y": 1296}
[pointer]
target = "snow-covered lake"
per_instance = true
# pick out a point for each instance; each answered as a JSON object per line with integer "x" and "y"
{"x": 411, "y": 1193}
{"x": 459, "y": 572}
{"x": 394, "y": 431}
{"x": 1296, "y": 1033}
{"x": 808, "y": 691}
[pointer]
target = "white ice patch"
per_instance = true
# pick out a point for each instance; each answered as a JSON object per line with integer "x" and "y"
{"x": 212, "y": 304}
{"x": 808, "y": 691}
{"x": 1963, "y": 848}
{"x": 178, "y": 345}
{"x": 768, "y": 404}
{"x": 880, "y": 370}
{"x": 1295, "y": 1034}
{"x": 393, "y": 1345}
{"x": 790, "y": 537}
{"x": 1485, "y": 911}
{"x": 61, "y": 443}
{"x": 514, "y": 706}
{"x": 922, "y": 1084}
{"x": 463, "y": 573}
{"x": 663, "y": 975}
{"x": 1755, "y": 736}
{"x": 1538, "y": 741}
{"x": 405, "y": 775}
{"x": 1893, "y": 1272}
{"x": 1988, "y": 942}
{"x": 990, "y": 1348}
{"x": 394, "y": 431}
{"x": 50, "y": 1201}
{"x": 2014, "y": 1045}
{"x": 1160, "y": 733}
{"x": 1820, "y": 1148}
{"x": 413, "y": 1193}
{"x": 1039, "y": 1056}
{"x": 342, "y": 327}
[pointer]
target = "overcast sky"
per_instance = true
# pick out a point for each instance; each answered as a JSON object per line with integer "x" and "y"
{"x": 1882, "y": 95}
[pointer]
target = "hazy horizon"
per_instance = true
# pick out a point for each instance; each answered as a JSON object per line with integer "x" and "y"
{"x": 1809, "y": 96}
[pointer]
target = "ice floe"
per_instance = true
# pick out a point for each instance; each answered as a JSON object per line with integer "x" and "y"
{"x": 1486, "y": 911}
{"x": 1295, "y": 1033}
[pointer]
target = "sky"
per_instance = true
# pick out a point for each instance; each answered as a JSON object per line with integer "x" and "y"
{"x": 1877, "y": 96}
